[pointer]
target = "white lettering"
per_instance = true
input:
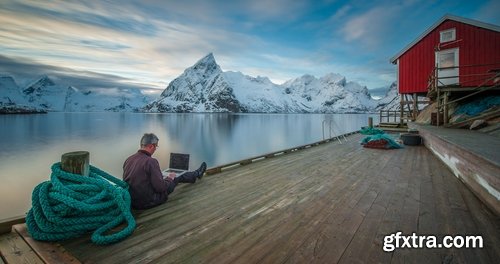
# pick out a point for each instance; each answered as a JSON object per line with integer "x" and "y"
{"x": 392, "y": 241}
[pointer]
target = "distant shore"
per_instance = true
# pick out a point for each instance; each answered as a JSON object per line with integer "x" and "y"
{"x": 6, "y": 110}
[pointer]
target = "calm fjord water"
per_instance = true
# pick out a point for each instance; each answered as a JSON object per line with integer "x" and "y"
{"x": 30, "y": 144}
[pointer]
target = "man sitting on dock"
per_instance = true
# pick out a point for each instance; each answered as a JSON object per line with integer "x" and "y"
{"x": 148, "y": 187}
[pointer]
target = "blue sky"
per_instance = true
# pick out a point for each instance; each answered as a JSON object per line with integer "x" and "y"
{"x": 152, "y": 41}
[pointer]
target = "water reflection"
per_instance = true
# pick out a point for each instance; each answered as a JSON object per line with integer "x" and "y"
{"x": 30, "y": 144}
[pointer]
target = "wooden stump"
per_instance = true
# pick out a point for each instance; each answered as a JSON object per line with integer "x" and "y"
{"x": 370, "y": 122}
{"x": 76, "y": 162}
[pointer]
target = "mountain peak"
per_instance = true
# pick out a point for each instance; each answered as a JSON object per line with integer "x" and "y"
{"x": 209, "y": 58}
{"x": 206, "y": 65}
{"x": 7, "y": 78}
{"x": 334, "y": 78}
{"x": 38, "y": 85}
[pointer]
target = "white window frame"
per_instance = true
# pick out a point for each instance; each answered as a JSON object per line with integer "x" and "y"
{"x": 453, "y": 35}
{"x": 451, "y": 71}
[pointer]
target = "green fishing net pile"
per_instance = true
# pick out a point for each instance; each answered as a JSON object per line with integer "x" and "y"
{"x": 377, "y": 138}
{"x": 371, "y": 131}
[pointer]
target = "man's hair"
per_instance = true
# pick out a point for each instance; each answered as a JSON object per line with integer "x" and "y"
{"x": 149, "y": 138}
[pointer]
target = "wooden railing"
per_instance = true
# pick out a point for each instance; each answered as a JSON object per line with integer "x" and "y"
{"x": 393, "y": 116}
{"x": 247, "y": 161}
{"x": 437, "y": 89}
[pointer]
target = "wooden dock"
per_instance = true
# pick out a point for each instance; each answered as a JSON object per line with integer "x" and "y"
{"x": 332, "y": 203}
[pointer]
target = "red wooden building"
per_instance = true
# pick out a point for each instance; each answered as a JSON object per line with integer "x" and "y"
{"x": 455, "y": 54}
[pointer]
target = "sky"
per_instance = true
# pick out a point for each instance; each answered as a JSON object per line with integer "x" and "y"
{"x": 151, "y": 42}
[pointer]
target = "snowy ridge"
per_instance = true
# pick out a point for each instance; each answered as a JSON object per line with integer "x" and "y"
{"x": 54, "y": 94}
{"x": 200, "y": 88}
{"x": 46, "y": 94}
{"x": 10, "y": 93}
{"x": 11, "y": 98}
{"x": 391, "y": 100}
{"x": 204, "y": 87}
{"x": 105, "y": 99}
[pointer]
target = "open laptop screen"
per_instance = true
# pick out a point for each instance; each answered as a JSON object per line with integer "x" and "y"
{"x": 179, "y": 161}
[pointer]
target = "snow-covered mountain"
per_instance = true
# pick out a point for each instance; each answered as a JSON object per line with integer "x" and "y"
{"x": 107, "y": 99}
{"x": 201, "y": 88}
{"x": 391, "y": 100}
{"x": 53, "y": 94}
{"x": 10, "y": 93}
{"x": 45, "y": 93}
{"x": 329, "y": 94}
{"x": 204, "y": 87}
{"x": 11, "y": 98}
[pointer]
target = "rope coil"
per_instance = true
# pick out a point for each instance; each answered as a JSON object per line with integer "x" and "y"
{"x": 70, "y": 205}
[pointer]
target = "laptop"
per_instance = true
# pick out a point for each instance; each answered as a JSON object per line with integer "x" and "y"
{"x": 179, "y": 164}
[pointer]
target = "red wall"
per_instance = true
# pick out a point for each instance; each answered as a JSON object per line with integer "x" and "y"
{"x": 476, "y": 46}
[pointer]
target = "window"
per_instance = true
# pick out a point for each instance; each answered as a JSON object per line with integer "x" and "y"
{"x": 447, "y": 35}
{"x": 446, "y": 60}
{"x": 448, "y": 67}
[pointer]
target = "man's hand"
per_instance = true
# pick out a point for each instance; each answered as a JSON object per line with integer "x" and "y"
{"x": 171, "y": 176}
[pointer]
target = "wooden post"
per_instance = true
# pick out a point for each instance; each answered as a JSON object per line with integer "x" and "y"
{"x": 370, "y": 122}
{"x": 401, "y": 110}
{"x": 445, "y": 106}
{"x": 76, "y": 162}
{"x": 438, "y": 107}
{"x": 415, "y": 106}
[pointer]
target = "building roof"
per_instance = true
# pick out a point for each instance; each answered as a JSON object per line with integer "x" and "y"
{"x": 435, "y": 25}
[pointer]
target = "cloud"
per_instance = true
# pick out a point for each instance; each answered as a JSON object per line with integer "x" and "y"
{"x": 97, "y": 13}
{"x": 103, "y": 47}
{"x": 341, "y": 12}
{"x": 154, "y": 41}
{"x": 489, "y": 12}
{"x": 368, "y": 27}
{"x": 25, "y": 71}
{"x": 276, "y": 10}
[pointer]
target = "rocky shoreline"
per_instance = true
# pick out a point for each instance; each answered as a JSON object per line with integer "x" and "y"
{"x": 5, "y": 110}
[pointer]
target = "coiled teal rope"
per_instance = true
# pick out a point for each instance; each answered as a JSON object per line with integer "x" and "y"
{"x": 70, "y": 205}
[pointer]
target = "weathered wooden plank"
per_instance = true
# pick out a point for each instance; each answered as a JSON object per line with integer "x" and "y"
{"x": 409, "y": 215}
{"x": 463, "y": 223}
{"x": 48, "y": 252}
{"x": 6, "y": 224}
{"x": 472, "y": 156}
{"x": 485, "y": 222}
{"x": 430, "y": 220}
{"x": 390, "y": 221}
{"x": 305, "y": 200}
{"x": 336, "y": 231}
{"x": 15, "y": 250}
{"x": 247, "y": 161}
{"x": 365, "y": 239}
{"x": 286, "y": 239}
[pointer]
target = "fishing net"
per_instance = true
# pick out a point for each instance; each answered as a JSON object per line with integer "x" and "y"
{"x": 371, "y": 131}
{"x": 380, "y": 141}
{"x": 477, "y": 106}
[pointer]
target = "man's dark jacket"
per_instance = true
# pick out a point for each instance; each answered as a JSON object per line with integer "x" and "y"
{"x": 147, "y": 186}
